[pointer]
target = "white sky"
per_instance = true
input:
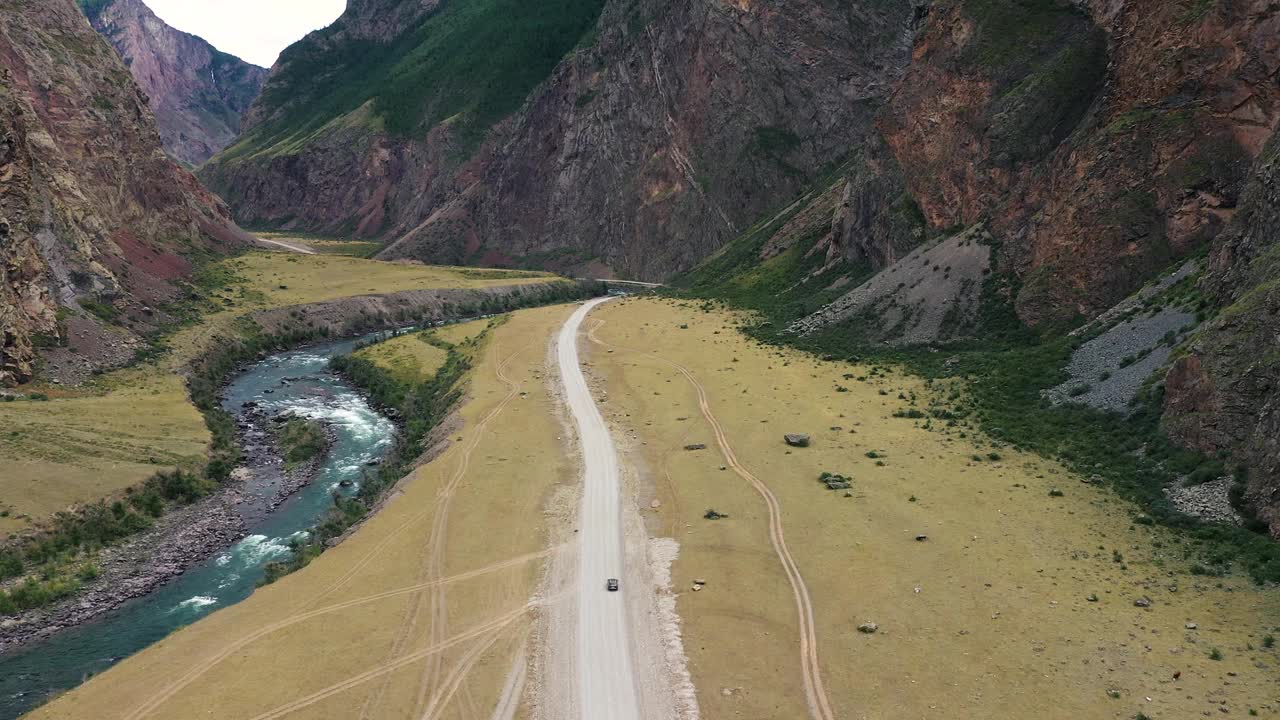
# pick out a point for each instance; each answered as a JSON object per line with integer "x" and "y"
{"x": 253, "y": 30}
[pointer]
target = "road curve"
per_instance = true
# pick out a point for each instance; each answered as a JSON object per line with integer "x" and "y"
{"x": 605, "y": 672}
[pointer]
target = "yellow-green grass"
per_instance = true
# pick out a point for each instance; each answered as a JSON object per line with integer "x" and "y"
{"x": 495, "y": 513}
{"x": 326, "y": 245}
{"x": 990, "y": 617}
{"x": 285, "y": 278}
{"x": 459, "y": 333}
{"x": 64, "y": 452}
{"x": 96, "y": 441}
{"x": 408, "y": 358}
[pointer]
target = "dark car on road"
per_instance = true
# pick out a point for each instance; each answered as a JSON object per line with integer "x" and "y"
{"x": 612, "y": 585}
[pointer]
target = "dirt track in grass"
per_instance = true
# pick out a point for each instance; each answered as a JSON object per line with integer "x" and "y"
{"x": 314, "y": 644}
{"x": 990, "y": 617}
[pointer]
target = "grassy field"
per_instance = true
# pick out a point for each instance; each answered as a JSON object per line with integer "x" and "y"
{"x": 348, "y": 611}
{"x": 460, "y": 333}
{"x": 95, "y": 441}
{"x": 1020, "y": 603}
{"x": 409, "y": 358}
{"x": 417, "y": 356}
{"x": 326, "y": 245}
{"x": 291, "y": 279}
{"x": 71, "y": 450}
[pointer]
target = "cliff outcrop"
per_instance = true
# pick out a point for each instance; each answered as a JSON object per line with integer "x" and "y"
{"x": 97, "y": 226}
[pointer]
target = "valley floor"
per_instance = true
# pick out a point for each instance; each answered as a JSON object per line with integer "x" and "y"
{"x": 991, "y": 597}
{"x": 95, "y": 440}
{"x": 990, "y": 617}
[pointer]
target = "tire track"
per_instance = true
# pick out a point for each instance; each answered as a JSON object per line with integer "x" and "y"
{"x": 497, "y": 623}
{"x": 204, "y": 666}
{"x": 815, "y": 691}
{"x": 432, "y": 567}
{"x": 148, "y": 706}
{"x": 492, "y": 625}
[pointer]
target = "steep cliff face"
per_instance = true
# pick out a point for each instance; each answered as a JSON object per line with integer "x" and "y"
{"x": 197, "y": 93}
{"x": 677, "y": 129}
{"x": 93, "y": 215}
{"x": 1224, "y": 393}
{"x": 1090, "y": 145}
{"x": 1098, "y": 158}
{"x": 669, "y": 128}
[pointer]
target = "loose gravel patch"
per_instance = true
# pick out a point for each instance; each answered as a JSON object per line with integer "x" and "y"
{"x": 1209, "y": 501}
{"x": 1101, "y": 377}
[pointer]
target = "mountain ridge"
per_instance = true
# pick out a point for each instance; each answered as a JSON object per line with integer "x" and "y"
{"x": 98, "y": 227}
{"x": 197, "y": 92}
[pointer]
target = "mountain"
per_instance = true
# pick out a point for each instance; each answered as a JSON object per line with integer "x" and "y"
{"x": 98, "y": 228}
{"x": 1078, "y": 201}
{"x": 1074, "y": 195}
{"x": 198, "y": 94}
{"x": 628, "y": 137}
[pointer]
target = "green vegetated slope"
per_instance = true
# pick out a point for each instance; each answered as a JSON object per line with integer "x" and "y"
{"x": 1005, "y": 367}
{"x": 468, "y": 63}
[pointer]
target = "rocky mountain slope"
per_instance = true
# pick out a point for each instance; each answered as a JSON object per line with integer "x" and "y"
{"x": 1090, "y": 146}
{"x": 975, "y": 174}
{"x": 197, "y": 93}
{"x": 636, "y": 137}
{"x": 97, "y": 226}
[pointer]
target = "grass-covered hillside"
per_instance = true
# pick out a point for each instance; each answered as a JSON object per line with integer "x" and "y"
{"x": 467, "y": 63}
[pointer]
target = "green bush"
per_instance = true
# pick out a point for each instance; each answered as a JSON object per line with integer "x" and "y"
{"x": 300, "y": 440}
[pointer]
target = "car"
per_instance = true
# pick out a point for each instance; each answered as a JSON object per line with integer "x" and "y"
{"x": 612, "y": 585}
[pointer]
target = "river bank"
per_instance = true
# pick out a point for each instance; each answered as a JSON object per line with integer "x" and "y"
{"x": 180, "y": 539}
{"x": 211, "y": 554}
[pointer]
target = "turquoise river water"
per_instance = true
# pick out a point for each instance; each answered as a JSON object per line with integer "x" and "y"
{"x": 297, "y": 381}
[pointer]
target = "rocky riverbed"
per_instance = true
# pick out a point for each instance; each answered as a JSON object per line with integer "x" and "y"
{"x": 182, "y": 538}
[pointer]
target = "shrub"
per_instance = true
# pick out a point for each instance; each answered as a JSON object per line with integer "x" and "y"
{"x": 1268, "y": 641}
{"x": 1215, "y": 654}
{"x": 88, "y": 571}
{"x": 1055, "y": 493}
{"x": 300, "y": 440}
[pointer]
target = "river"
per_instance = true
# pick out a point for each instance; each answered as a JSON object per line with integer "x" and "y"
{"x": 296, "y": 381}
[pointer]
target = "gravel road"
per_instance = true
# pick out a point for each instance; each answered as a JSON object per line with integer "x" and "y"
{"x": 605, "y": 672}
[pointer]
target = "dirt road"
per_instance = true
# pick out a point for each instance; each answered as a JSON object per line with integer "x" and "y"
{"x": 292, "y": 247}
{"x": 605, "y": 671}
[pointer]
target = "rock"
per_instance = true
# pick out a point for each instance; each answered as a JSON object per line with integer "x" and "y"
{"x": 1191, "y": 626}
{"x": 655, "y": 504}
{"x": 921, "y": 538}
{"x": 796, "y": 439}
{"x": 696, "y": 446}
{"x": 699, "y": 581}
{"x": 868, "y": 628}
{"x": 696, "y": 588}
{"x": 1142, "y": 602}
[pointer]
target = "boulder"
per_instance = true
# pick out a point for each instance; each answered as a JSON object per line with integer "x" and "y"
{"x": 868, "y": 628}
{"x": 796, "y": 439}
{"x": 696, "y": 446}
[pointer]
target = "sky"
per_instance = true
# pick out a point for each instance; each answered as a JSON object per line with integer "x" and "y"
{"x": 253, "y": 30}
